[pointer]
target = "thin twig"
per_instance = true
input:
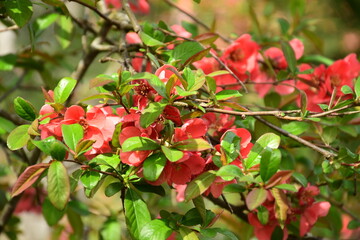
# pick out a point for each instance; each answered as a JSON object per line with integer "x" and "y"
{"x": 169, "y": 2}
{"x": 332, "y": 111}
{"x": 106, "y": 18}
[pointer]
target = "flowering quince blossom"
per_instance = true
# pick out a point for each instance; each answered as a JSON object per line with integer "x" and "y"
{"x": 278, "y": 61}
{"x": 98, "y": 125}
{"x": 137, "y": 62}
{"x": 138, "y": 6}
{"x": 241, "y": 56}
{"x": 320, "y": 84}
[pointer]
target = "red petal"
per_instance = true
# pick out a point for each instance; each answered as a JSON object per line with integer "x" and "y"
{"x": 74, "y": 113}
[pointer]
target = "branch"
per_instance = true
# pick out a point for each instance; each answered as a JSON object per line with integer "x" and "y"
{"x": 14, "y": 27}
{"x": 324, "y": 152}
{"x": 130, "y": 14}
{"x": 8, "y": 211}
{"x": 119, "y": 25}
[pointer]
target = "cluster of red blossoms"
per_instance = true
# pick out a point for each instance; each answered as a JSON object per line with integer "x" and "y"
{"x": 306, "y": 208}
{"x": 245, "y": 58}
{"x": 99, "y": 123}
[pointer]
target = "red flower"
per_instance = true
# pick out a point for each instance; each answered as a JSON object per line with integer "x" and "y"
{"x": 311, "y": 214}
{"x": 241, "y": 56}
{"x": 138, "y": 6}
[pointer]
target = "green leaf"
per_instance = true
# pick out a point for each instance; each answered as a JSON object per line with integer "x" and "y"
{"x": 227, "y": 94}
{"x": 6, "y": 125}
{"x": 79, "y": 207}
{"x": 111, "y": 229}
{"x": 153, "y": 166}
{"x": 58, "y": 185}
{"x": 51, "y": 214}
{"x": 303, "y": 101}
{"x": 136, "y": 213}
{"x": 154, "y": 81}
{"x": 296, "y": 128}
{"x": 353, "y": 224}
{"x": 18, "y": 137}
{"x": 284, "y": 25}
{"x": 113, "y": 188}
{"x": 300, "y": 178}
{"x": 200, "y": 206}
{"x": 211, "y": 233}
{"x": 288, "y": 187}
{"x": 263, "y": 215}
{"x": 197, "y": 144}
{"x": 230, "y": 144}
{"x": 155, "y": 230}
{"x": 357, "y": 87}
{"x": 139, "y": 144}
{"x": 188, "y": 234}
{"x": 72, "y": 134}
{"x": 318, "y": 59}
{"x": 19, "y": 10}
{"x": 191, "y": 218}
{"x": 7, "y": 62}
{"x": 255, "y": 198}
{"x": 346, "y": 90}
{"x": 186, "y": 50}
{"x": 199, "y": 185}
{"x": 64, "y": 27}
{"x": 43, "y": 22}
{"x": 269, "y": 163}
{"x": 269, "y": 140}
{"x": 63, "y": 89}
{"x": 229, "y": 172}
{"x": 171, "y": 154}
{"x": 28, "y": 178}
{"x": 90, "y": 179}
{"x": 289, "y": 56}
{"x": 111, "y": 160}
{"x": 149, "y": 40}
{"x": 151, "y": 113}
{"x": 58, "y": 150}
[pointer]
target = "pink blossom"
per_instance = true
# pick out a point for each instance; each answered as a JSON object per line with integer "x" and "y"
{"x": 138, "y": 6}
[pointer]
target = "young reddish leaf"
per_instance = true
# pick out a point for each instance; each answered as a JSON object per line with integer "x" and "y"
{"x": 279, "y": 178}
{"x": 197, "y": 56}
{"x": 207, "y": 38}
{"x": 199, "y": 185}
{"x": 255, "y": 198}
{"x": 197, "y": 144}
{"x": 28, "y": 177}
{"x": 58, "y": 185}
{"x": 303, "y": 101}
